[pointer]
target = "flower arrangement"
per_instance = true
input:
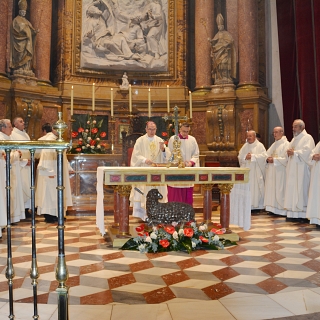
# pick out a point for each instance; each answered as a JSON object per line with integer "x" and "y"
{"x": 187, "y": 237}
{"x": 89, "y": 137}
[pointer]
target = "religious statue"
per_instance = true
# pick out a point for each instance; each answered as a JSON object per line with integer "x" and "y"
{"x": 223, "y": 54}
{"x": 125, "y": 82}
{"x": 23, "y": 35}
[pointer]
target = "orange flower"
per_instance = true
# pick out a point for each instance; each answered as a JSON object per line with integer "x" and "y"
{"x": 103, "y": 134}
{"x": 188, "y": 232}
{"x": 170, "y": 229}
{"x": 164, "y": 243}
{"x": 203, "y": 239}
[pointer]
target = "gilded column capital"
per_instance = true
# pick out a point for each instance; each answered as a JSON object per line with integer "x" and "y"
{"x": 207, "y": 186}
{"x": 124, "y": 191}
{"x": 225, "y": 188}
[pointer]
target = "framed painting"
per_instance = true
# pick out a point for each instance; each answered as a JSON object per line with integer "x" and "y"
{"x": 114, "y": 36}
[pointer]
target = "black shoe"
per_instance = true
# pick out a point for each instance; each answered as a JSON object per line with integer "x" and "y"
{"x": 50, "y": 219}
{"x": 304, "y": 220}
{"x": 28, "y": 213}
{"x": 292, "y": 219}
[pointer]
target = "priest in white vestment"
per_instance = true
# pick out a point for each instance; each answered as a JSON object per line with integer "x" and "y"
{"x": 252, "y": 156}
{"x": 313, "y": 207}
{"x": 298, "y": 172}
{"x": 148, "y": 150}
{"x": 46, "y": 186}
{"x": 19, "y": 134}
{"x": 16, "y": 192}
{"x": 275, "y": 181}
{"x": 190, "y": 155}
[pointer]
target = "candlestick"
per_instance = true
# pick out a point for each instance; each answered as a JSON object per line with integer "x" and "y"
{"x": 149, "y": 103}
{"x": 71, "y": 108}
{"x": 190, "y": 104}
{"x": 130, "y": 99}
{"x": 111, "y": 108}
{"x": 93, "y": 97}
{"x": 168, "y": 100}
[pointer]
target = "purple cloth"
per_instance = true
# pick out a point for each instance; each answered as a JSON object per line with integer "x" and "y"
{"x": 180, "y": 195}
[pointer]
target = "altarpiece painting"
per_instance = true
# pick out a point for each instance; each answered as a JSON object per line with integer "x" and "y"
{"x": 125, "y": 35}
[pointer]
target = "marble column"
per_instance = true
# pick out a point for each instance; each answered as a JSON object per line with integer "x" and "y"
{"x": 40, "y": 18}
{"x": 207, "y": 202}
{"x": 116, "y": 205}
{"x": 204, "y": 28}
{"x": 124, "y": 192}
{"x": 248, "y": 42}
{"x": 232, "y": 22}
{"x": 4, "y": 34}
{"x": 225, "y": 190}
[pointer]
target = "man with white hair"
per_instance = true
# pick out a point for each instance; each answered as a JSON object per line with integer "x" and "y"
{"x": 298, "y": 172}
{"x": 276, "y": 173}
{"x": 19, "y": 134}
{"x": 252, "y": 156}
{"x": 16, "y": 194}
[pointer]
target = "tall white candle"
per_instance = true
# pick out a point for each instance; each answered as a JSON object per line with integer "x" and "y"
{"x": 111, "y": 102}
{"x": 190, "y": 104}
{"x": 168, "y": 99}
{"x": 149, "y": 103}
{"x": 71, "y": 108}
{"x": 93, "y": 97}
{"x": 130, "y": 99}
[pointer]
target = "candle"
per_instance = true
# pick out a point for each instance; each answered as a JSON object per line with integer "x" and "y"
{"x": 111, "y": 108}
{"x": 71, "y": 109}
{"x": 93, "y": 97}
{"x": 190, "y": 104}
{"x": 168, "y": 100}
{"x": 130, "y": 99}
{"x": 149, "y": 103}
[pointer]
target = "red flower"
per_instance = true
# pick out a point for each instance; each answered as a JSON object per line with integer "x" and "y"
{"x": 188, "y": 232}
{"x": 80, "y": 129}
{"x": 214, "y": 230}
{"x": 219, "y": 232}
{"x": 74, "y": 134}
{"x": 78, "y": 149}
{"x": 103, "y": 134}
{"x": 188, "y": 223}
{"x": 164, "y": 134}
{"x": 203, "y": 239}
{"x": 170, "y": 229}
{"x": 92, "y": 142}
{"x": 218, "y": 225}
{"x": 165, "y": 243}
{"x": 80, "y": 143}
{"x": 140, "y": 228}
{"x": 94, "y": 130}
{"x": 166, "y": 142}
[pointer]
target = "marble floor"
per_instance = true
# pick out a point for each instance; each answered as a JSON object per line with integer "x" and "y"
{"x": 273, "y": 272}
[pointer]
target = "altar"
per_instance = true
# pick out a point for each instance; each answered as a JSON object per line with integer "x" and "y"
{"x": 122, "y": 179}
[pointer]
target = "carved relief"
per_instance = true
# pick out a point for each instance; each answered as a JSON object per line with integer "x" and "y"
{"x": 246, "y": 123}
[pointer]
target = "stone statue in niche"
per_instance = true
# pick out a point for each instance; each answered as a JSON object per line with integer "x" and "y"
{"x": 125, "y": 82}
{"x": 223, "y": 54}
{"x": 23, "y": 36}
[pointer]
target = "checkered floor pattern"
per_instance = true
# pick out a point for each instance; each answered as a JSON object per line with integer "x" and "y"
{"x": 273, "y": 272}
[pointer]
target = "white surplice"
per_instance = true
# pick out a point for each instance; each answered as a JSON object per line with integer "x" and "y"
{"x": 298, "y": 176}
{"x": 275, "y": 181}
{"x": 313, "y": 207}
{"x": 46, "y": 187}
{"x": 146, "y": 148}
{"x": 19, "y": 135}
{"x": 16, "y": 192}
{"x": 257, "y": 171}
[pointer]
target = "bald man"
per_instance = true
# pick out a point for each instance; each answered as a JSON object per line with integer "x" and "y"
{"x": 276, "y": 173}
{"x": 298, "y": 172}
{"x": 252, "y": 156}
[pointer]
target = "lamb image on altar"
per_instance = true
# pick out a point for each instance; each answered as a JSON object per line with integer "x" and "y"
{"x": 131, "y": 35}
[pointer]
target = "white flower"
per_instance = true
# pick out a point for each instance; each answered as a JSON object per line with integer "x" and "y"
{"x": 193, "y": 244}
{"x": 142, "y": 248}
{"x": 98, "y": 139}
{"x": 86, "y": 130}
{"x": 216, "y": 238}
{"x": 80, "y": 139}
{"x": 153, "y": 235}
{"x": 98, "y": 146}
{"x": 83, "y": 147}
{"x": 181, "y": 232}
{"x": 175, "y": 235}
{"x": 174, "y": 224}
{"x": 88, "y": 122}
{"x": 203, "y": 227}
{"x": 154, "y": 228}
{"x": 92, "y": 147}
{"x": 87, "y": 145}
{"x": 148, "y": 239}
{"x": 193, "y": 224}
{"x": 89, "y": 138}
{"x": 94, "y": 121}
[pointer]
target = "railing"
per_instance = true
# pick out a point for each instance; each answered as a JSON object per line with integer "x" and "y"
{"x": 61, "y": 270}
